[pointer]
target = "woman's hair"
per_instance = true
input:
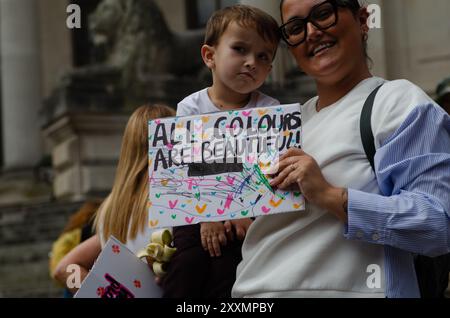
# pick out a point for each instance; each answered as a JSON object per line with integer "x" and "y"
{"x": 83, "y": 216}
{"x": 353, "y": 5}
{"x": 245, "y": 16}
{"x": 124, "y": 212}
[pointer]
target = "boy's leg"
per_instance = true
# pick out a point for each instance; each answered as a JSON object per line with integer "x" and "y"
{"x": 223, "y": 271}
{"x": 188, "y": 267}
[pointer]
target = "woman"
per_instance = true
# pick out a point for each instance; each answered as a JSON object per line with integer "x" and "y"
{"x": 78, "y": 229}
{"x": 359, "y": 233}
{"x": 124, "y": 213}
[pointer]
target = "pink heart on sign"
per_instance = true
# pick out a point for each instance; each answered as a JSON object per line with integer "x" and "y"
{"x": 169, "y": 146}
{"x": 220, "y": 212}
{"x": 197, "y": 150}
{"x": 116, "y": 249}
{"x": 157, "y": 121}
{"x": 173, "y": 204}
{"x": 189, "y": 220}
{"x": 231, "y": 180}
{"x": 246, "y": 114}
{"x": 100, "y": 291}
{"x": 265, "y": 209}
{"x": 250, "y": 159}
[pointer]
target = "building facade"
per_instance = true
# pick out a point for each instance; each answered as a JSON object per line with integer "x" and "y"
{"x": 59, "y": 147}
{"x": 409, "y": 40}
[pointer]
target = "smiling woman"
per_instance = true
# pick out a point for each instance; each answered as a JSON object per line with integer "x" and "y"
{"x": 322, "y": 35}
{"x": 356, "y": 218}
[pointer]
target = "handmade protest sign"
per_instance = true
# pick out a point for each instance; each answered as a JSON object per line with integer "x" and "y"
{"x": 118, "y": 273}
{"x": 213, "y": 167}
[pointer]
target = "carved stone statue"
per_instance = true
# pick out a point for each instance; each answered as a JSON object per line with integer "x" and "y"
{"x": 137, "y": 40}
{"x": 142, "y": 61}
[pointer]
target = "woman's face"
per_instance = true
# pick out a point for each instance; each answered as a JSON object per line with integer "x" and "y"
{"x": 333, "y": 54}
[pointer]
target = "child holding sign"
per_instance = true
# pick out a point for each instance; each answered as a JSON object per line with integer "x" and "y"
{"x": 240, "y": 45}
{"x": 124, "y": 212}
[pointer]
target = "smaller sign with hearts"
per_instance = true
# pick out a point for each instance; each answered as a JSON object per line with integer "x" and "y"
{"x": 118, "y": 273}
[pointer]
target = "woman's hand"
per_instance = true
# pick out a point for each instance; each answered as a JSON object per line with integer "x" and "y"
{"x": 296, "y": 167}
{"x": 213, "y": 236}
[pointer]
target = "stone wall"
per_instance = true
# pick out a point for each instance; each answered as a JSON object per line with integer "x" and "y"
{"x": 26, "y": 237}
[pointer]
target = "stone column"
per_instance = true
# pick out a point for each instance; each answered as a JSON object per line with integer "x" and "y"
{"x": 21, "y": 91}
{"x": 85, "y": 148}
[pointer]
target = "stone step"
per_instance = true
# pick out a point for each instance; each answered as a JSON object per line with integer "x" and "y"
{"x": 27, "y": 233}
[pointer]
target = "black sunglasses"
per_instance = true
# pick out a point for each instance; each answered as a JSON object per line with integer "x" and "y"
{"x": 323, "y": 16}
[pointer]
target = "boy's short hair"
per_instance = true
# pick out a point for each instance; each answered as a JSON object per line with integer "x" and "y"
{"x": 244, "y": 16}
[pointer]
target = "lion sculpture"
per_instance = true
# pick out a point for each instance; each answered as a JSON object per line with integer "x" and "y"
{"x": 137, "y": 40}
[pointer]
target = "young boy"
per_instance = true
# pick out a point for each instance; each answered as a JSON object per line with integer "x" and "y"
{"x": 240, "y": 45}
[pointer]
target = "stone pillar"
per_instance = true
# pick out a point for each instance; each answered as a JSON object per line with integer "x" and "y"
{"x": 85, "y": 148}
{"x": 377, "y": 39}
{"x": 55, "y": 43}
{"x": 21, "y": 91}
{"x": 416, "y": 36}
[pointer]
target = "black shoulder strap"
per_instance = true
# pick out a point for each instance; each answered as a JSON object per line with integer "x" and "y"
{"x": 366, "y": 127}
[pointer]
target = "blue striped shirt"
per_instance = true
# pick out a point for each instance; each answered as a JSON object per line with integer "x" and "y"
{"x": 412, "y": 215}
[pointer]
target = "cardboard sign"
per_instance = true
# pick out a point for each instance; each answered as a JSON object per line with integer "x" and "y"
{"x": 118, "y": 273}
{"x": 212, "y": 167}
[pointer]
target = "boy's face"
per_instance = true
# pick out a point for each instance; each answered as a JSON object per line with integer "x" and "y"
{"x": 242, "y": 59}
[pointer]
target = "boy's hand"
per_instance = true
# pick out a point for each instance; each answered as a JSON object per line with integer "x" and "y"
{"x": 241, "y": 227}
{"x": 213, "y": 235}
{"x": 229, "y": 230}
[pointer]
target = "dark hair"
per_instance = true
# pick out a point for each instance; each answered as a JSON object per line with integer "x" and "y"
{"x": 441, "y": 90}
{"x": 354, "y": 6}
{"x": 245, "y": 16}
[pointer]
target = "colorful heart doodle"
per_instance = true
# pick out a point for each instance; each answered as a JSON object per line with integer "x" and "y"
{"x": 185, "y": 188}
{"x": 265, "y": 210}
{"x": 189, "y": 220}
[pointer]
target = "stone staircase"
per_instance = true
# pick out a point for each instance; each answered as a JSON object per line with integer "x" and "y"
{"x": 26, "y": 236}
